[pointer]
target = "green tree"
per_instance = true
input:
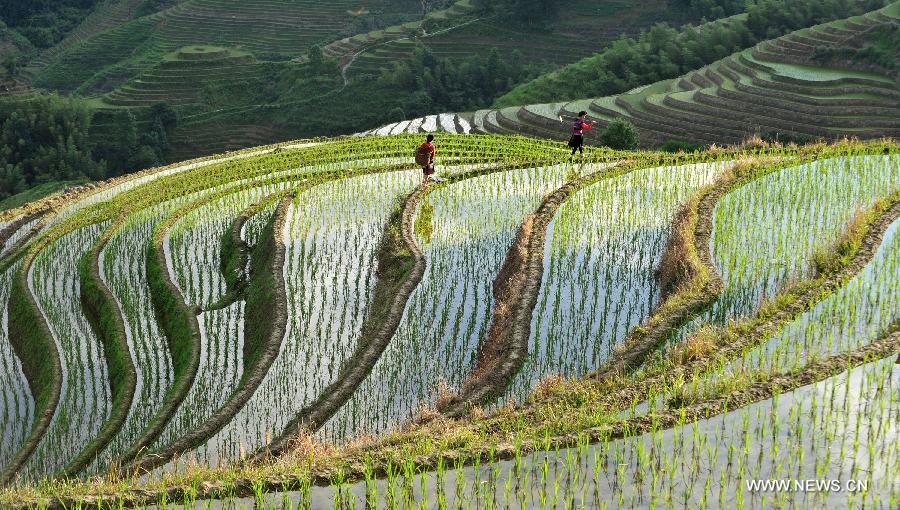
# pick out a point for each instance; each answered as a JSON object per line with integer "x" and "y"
{"x": 11, "y": 181}
{"x": 44, "y": 138}
{"x": 620, "y": 135}
{"x": 316, "y": 57}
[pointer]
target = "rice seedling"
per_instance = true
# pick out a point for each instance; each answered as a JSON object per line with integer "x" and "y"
{"x": 473, "y": 224}
{"x": 123, "y": 269}
{"x": 604, "y": 246}
{"x": 17, "y": 403}
{"x": 785, "y": 216}
{"x": 194, "y": 253}
{"x": 852, "y": 317}
{"x": 775, "y": 410}
{"x": 85, "y": 397}
{"x": 802, "y": 435}
{"x": 18, "y": 235}
{"x": 332, "y": 238}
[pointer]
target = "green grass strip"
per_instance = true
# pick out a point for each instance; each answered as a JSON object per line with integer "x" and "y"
{"x": 32, "y": 341}
{"x": 103, "y": 314}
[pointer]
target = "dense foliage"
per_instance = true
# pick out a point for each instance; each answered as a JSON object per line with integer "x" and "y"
{"x": 433, "y": 84}
{"x": 768, "y": 19}
{"x": 47, "y": 138}
{"x": 528, "y": 12}
{"x": 620, "y": 135}
{"x": 125, "y": 142}
{"x": 151, "y": 6}
{"x": 282, "y": 99}
{"x": 17, "y": 13}
{"x": 45, "y": 22}
{"x": 664, "y": 52}
{"x": 44, "y": 139}
{"x": 710, "y": 9}
{"x": 420, "y": 85}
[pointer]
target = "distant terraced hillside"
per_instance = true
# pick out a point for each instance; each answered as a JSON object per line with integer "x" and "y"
{"x": 109, "y": 14}
{"x": 183, "y": 77}
{"x": 585, "y": 27}
{"x": 235, "y": 70}
{"x": 269, "y": 29}
{"x": 781, "y": 88}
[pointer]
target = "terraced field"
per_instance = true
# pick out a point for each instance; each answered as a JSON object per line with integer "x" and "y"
{"x": 189, "y": 77}
{"x": 461, "y": 30}
{"x": 104, "y": 52}
{"x": 204, "y": 58}
{"x": 308, "y": 325}
{"x": 250, "y": 84}
{"x": 774, "y": 90}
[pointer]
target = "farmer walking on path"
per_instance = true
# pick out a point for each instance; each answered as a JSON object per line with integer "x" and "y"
{"x": 578, "y": 129}
{"x": 425, "y": 158}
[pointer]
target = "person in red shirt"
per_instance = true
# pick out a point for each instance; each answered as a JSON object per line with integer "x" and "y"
{"x": 581, "y": 125}
{"x": 427, "y": 163}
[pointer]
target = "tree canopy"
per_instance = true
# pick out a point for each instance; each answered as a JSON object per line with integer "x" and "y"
{"x": 46, "y": 138}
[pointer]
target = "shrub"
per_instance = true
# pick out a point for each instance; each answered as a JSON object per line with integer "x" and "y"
{"x": 620, "y": 135}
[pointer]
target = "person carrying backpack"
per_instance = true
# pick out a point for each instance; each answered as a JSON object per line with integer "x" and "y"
{"x": 576, "y": 142}
{"x": 425, "y": 158}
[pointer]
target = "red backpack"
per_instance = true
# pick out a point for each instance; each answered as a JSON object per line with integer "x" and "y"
{"x": 423, "y": 156}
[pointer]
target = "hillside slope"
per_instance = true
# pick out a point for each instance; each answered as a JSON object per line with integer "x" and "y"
{"x": 583, "y": 28}
{"x": 829, "y": 81}
{"x": 238, "y": 73}
{"x": 274, "y": 30}
{"x": 664, "y": 53}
